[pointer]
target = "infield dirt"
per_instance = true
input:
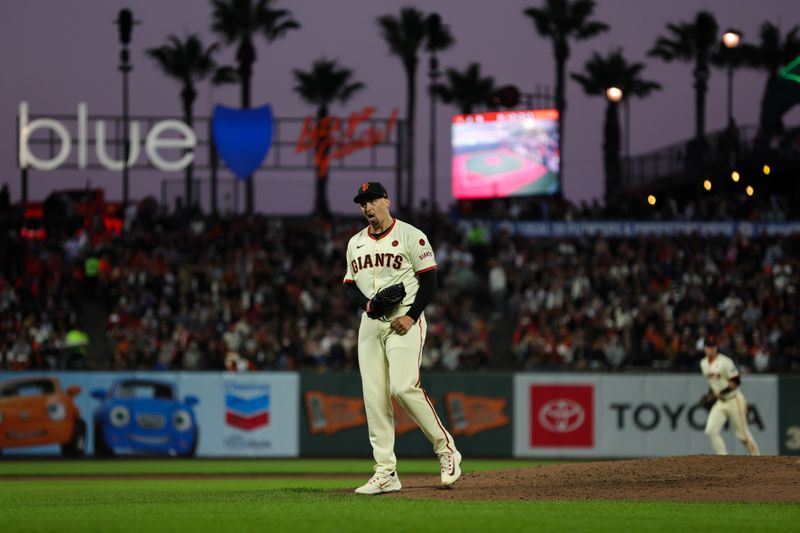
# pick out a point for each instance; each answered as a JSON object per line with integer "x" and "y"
{"x": 687, "y": 478}
{"x": 693, "y": 478}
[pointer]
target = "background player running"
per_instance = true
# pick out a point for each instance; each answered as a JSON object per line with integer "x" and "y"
{"x": 729, "y": 404}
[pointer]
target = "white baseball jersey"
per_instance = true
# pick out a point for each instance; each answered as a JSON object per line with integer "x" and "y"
{"x": 398, "y": 255}
{"x": 719, "y": 372}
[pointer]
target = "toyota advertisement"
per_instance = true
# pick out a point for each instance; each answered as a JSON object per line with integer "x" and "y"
{"x": 569, "y": 415}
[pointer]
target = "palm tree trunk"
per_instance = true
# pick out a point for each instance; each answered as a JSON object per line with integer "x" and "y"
{"x": 696, "y": 151}
{"x": 323, "y": 148}
{"x": 701, "y": 87}
{"x": 213, "y": 163}
{"x": 246, "y": 56}
{"x": 611, "y": 149}
{"x": 411, "y": 104}
{"x": 188, "y": 96}
{"x": 561, "y": 53}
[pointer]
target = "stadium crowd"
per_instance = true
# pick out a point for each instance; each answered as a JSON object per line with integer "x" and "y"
{"x": 188, "y": 292}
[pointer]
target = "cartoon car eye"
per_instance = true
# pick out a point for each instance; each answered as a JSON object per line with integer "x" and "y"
{"x": 56, "y": 411}
{"x": 181, "y": 420}
{"x": 120, "y": 416}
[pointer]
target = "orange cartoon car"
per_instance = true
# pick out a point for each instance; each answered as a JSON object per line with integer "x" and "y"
{"x": 35, "y": 411}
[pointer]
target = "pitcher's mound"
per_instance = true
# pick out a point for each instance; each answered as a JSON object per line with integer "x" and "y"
{"x": 690, "y": 478}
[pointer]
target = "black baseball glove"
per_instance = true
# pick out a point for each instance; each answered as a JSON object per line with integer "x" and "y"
{"x": 707, "y": 400}
{"x": 385, "y": 300}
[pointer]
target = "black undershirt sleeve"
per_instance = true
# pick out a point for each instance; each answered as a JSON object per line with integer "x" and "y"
{"x": 427, "y": 286}
{"x": 726, "y": 390}
{"x": 355, "y": 296}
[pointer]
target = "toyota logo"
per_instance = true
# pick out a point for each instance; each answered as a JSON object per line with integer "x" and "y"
{"x": 561, "y": 415}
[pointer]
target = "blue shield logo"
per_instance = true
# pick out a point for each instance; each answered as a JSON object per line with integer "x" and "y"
{"x": 243, "y": 137}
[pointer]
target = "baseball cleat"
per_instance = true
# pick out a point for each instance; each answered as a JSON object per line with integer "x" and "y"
{"x": 451, "y": 467}
{"x": 380, "y": 483}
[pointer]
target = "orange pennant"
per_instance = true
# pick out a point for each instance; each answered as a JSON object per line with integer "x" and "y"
{"x": 470, "y": 415}
{"x": 329, "y": 414}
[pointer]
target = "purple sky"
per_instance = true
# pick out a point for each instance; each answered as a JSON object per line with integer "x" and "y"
{"x": 57, "y": 53}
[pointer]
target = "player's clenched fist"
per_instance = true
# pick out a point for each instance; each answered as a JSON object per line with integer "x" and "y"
{"x": 402, "y": 324}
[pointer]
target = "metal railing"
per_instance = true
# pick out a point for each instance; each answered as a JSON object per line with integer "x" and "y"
{"x": 678, "y": 159}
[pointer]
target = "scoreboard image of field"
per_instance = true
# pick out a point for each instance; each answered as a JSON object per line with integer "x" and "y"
{"x": 502, "y": 154}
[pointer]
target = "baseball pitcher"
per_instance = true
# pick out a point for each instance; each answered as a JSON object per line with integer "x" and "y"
{"x": 391, "y": 275}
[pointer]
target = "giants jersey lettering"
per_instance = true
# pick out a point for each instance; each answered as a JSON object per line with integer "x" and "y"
{"x": 397, "y": 256}
{"x": 719, "y": 372}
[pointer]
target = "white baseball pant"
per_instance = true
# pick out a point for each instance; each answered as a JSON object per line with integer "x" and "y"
{"x": 390, "y": 366}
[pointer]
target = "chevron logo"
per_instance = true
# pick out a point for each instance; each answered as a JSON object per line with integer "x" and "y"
{"x": 247, "y": 413}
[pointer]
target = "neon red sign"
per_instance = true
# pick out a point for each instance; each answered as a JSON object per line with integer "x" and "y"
{"x": 335, "y": 138}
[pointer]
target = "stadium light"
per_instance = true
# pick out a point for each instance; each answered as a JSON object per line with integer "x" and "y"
{"x": 707, "y": 185}
{"x": 651, "y": 199}
{"x": 731, "y": 38}
{"x": 749, "y": 190}
{"x": 735, "y": 176}
{"x": 766, "y": 170}
{"x": 614, "y": 94}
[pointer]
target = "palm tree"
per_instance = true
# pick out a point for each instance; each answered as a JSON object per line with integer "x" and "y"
{"x": 223, "y": 75}
{"x": 238, "y": 21}
{"x": 772, "y": 54}
{"x": 189, "y": 62}
{"x": 466, "y": 90}
{"x": 405, "y": 35}
{"x": 774, "y": 51}
{"x": 692, "y": 42}
{"x": 600, "y": 73}
{"x": 560, "y": 21}
{"x": 438, "y": 38}
{"x": 321, "y": 86}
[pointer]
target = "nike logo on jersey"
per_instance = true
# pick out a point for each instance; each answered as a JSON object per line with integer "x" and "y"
{"x": 360, "y": 245}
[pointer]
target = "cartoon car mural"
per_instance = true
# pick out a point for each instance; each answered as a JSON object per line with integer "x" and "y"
{"x": 36, "y": 411}
{"x": 142, "y": 416}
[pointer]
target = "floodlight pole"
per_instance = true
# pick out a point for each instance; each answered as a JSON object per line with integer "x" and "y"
{"x": 125, "y": 25}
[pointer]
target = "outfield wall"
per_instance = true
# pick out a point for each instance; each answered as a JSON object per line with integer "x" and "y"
{"x": 577, "y": 415}
{"x": 286, "y": 414}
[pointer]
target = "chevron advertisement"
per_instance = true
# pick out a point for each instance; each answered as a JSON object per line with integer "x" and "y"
{"x": 170, "y": 414}
{"x": 260, "y": 415}
{"x": 577, "y": 415}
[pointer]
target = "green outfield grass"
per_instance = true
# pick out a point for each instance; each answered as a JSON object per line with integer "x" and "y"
{"x": 301, "y": 504}
{"x": 358, "y": 467}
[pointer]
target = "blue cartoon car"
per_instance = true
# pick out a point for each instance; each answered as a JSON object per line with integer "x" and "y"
{"x": 141, "y": 416}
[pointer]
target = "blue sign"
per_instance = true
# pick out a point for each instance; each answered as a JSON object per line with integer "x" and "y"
{"x": 628, "y": 228}
{"x": 242, "y": 137}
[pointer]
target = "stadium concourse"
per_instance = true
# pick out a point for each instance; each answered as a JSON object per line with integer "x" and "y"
{"x": 182, "y": 291}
